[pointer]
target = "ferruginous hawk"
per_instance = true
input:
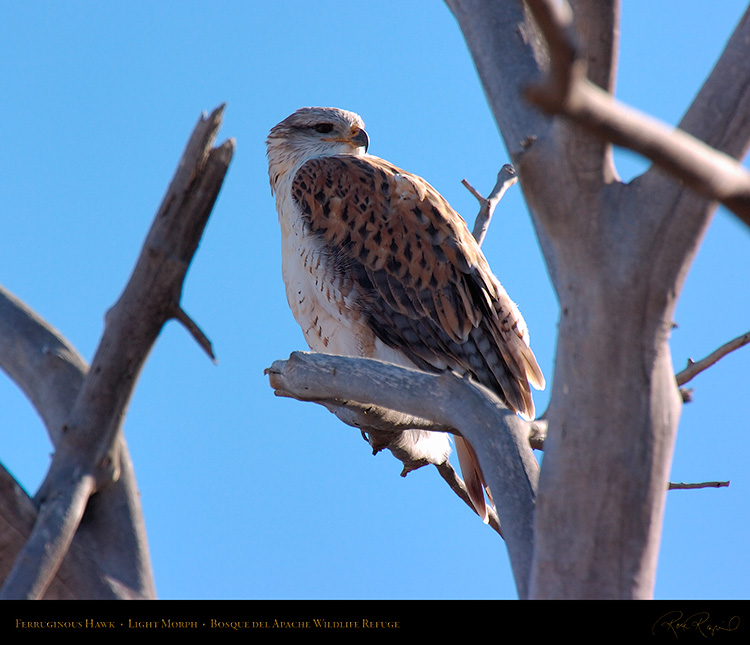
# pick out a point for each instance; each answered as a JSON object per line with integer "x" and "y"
{"x": 377, "y": 264}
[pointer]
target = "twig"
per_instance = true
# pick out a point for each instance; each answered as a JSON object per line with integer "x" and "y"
{"x": 686, "y": 394}
{"x": 681, "y": 486}
{"x": 694, "y": 368}
{"x": 195, "y": 331}
{"x": 505, "y": 179}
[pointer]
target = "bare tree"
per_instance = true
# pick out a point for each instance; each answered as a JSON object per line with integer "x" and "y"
{"x": 617, "y": 255}
{"x": 82, "y": 534}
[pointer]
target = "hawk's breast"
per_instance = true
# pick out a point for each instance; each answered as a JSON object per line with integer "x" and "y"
{"x": 324, "y": 300}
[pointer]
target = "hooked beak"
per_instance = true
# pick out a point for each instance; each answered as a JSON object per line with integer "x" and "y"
{"x": 359, "y": 138}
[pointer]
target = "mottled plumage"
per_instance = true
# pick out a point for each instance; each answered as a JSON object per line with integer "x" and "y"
{"x": 377, "y": 264}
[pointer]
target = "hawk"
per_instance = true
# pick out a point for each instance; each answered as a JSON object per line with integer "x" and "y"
{"x": 377, "y": 264}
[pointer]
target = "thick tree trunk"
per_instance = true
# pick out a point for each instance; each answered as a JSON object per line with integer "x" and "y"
{"x": 617, "y": 256}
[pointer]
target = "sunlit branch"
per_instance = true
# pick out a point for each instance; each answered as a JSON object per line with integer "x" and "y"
{"x": 567, "y": 92}
{"x": 505, "y": 179}
{"x": 696, "y": 367}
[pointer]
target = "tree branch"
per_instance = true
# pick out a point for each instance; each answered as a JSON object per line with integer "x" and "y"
{"x": 595, "y": 24}
{"x": 500, "y": 31}
{"x": 505, "y": 179}
{"x": 567, "y": 92}
{"x": 718, "y": 115}
{"x": 681, "y": 486}
{"x": 50, "y": 372}
{"x": 498, "y": 436}
{"x": 91, "y": 567}
{"x": 40, "y": 361}
{"x": 597, "y": 27}
{"x": 195, "y": 331}
{"x": 617, "y": 256}
{"x": 385, "y": 424}
{"x": 87, "y": 455}
{"x": 694, "y": 368}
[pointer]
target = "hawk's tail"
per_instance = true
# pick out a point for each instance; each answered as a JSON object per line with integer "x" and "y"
{"x": 472, "y": 475}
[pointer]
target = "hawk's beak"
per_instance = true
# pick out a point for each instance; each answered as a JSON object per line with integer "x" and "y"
{"x": 359, "y": 138}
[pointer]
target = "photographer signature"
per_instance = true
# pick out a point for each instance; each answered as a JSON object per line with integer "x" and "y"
{"x": 700, "y": 622}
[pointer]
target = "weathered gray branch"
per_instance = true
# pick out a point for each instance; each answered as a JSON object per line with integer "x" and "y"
{"x": 499, "y": 437}
{"x": 50, "y": 372}
{"x": 505, "y": 179}
{"x": 596, "y": 24}
{"x": 88, "y": 454}
{"x": 568, "y": 92}
{"x": 694, "y": 368}
{"x": 40, "y": 361}
{"x": 386, "y": 423}
{"x": 683, "y": 486}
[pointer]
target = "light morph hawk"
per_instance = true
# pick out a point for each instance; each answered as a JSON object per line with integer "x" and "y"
{"x": 377, "y": 264}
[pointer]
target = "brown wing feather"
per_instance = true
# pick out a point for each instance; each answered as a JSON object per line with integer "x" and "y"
{"x": 424, "y": 284}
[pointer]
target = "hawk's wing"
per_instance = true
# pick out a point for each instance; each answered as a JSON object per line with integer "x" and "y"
{"x": 425, "y": 287}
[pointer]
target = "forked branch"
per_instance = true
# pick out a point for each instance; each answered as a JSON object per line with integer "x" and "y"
{"x": 87, "y": 454}
{"x": 505, "y": 179}
{"x": 567, "y": 92}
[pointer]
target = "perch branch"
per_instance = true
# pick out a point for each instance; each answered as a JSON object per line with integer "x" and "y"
{"x": 378, "y": 419}
{"x": 694, "y": 368}
{"x": 86, "y": 457}
{"x": 498, "y": 435}
{"x": 568, "y": 92}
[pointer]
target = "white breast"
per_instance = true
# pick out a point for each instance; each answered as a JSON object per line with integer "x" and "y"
{"x": 324, "y": 304}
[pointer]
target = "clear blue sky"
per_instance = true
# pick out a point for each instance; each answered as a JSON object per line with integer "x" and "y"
{"x": 251, "y": 496}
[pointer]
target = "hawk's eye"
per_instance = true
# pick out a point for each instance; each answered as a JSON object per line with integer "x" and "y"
{"x": 323, "y": 128}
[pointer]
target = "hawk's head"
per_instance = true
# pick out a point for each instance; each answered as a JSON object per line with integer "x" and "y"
{"x": 313, "y": 132}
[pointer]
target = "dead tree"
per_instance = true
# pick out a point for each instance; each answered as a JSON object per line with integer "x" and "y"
{"x": 82, "y": 535}
{"x": 617, "y": 255}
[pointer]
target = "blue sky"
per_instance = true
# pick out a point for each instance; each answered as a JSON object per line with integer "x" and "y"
{"x": 247, "y": 495}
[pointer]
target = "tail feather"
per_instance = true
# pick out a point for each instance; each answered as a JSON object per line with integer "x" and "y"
{"x": 472, "y": 475}
{"x": 533, "y": 371}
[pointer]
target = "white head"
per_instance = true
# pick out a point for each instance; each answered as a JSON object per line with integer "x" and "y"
{"x": 313, "y": 132}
